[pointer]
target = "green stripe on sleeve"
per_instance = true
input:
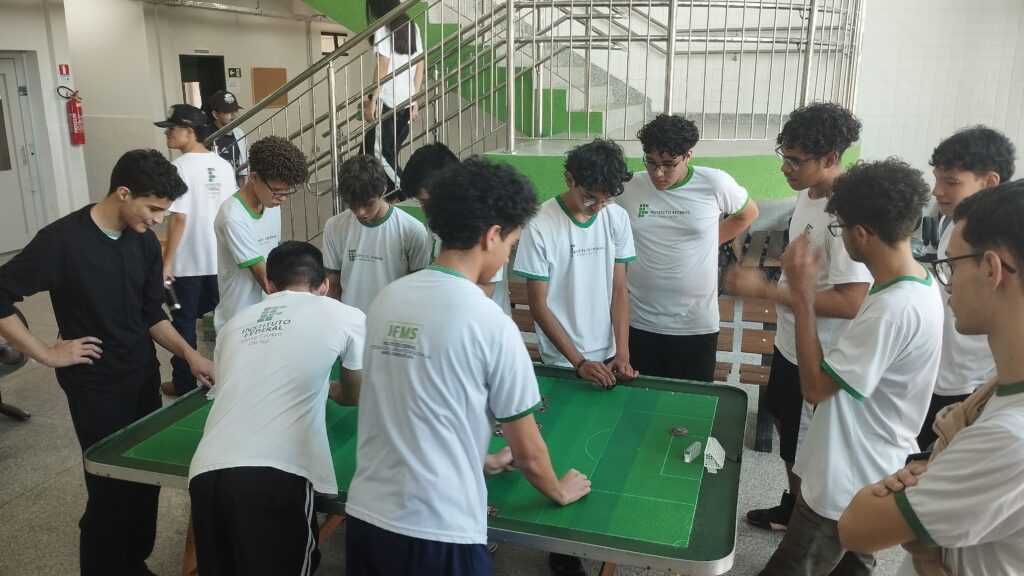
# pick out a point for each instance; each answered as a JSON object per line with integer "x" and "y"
{"x": 526, "y": 412}
{"x": 250, "y": 263}
{"x": 842, "y": 383}
{"x": 742, "y": 208}
{"x": 903, "y": 503}
{"x": 332, "y": 271}
{"x": 623, "y": 260}
{"x": 529, "y": 276}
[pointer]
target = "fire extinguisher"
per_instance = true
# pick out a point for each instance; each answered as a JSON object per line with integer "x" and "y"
{"x": 76, "y": 125}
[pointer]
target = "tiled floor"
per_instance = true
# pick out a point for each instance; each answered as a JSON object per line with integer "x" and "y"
{"x": 42, "y": 491}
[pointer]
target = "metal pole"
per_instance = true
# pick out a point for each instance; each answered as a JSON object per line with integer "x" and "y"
{"x": 858, "y": 33}
{"x": 334, "y": 136}
{"x": 805, "y": 81}
{"x": 510, "y": 76}
{"x": 670, "y": 55}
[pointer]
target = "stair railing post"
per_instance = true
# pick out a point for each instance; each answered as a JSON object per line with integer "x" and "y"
{"x": 670, "y": 55}
{"x": 334, "y": 136}
{"x": 805, "y": 80}
{"x": 510, "y": 76}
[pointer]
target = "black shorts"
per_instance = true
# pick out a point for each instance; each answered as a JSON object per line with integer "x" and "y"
{"x": 254, "y": 521}
{"x": 669, "y": 356}
{"x": 785, "y": 402}
{"x": 927, "y": 437}
{"x": 374, "y": 551}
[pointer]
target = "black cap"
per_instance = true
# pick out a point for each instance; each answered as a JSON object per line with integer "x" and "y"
{"x": 184, "y": 115}
{"x": 223, "y": 101}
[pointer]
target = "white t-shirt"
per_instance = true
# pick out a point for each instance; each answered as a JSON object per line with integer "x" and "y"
{"x": 368, "y": 257}
{"x": 441, "y": 361}
{"x": 396, "y": 91}
{"x": 971, "y": 499}
{"x": 273, "y": 361}
{"x": 966, "y": 362}
{"x": 810, "y": 218}
{"x": 210, "y": 182}
{"x": 244, "y": 239}
{"x": 673, "y": 285}
{"x": 885, "y": 362}
{"x": 500, "y": 278}
{"x": 577, "y": 260}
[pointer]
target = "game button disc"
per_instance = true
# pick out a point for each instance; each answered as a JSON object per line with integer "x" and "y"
{"x": 678, "y": 431}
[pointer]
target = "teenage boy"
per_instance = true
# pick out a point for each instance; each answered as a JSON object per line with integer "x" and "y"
{"x": 871, "y": 389}
{"x": 970, "y": 160}
{"x": 675, "y": 211}
{"x": 102, "y": 268}
{"x": 371, "y": 244}
{"x": 573, "y": 256}
{"x": 223, "y": 107}
{"x": 422, "y": 167}
{"x": 190, "y": 257}
{"x": 248, "y": 225}
{"x": 441, "y": 360}
{"x": 264, "y": 450}
{"x": 811, "y": 147}
{"x": 968, "y": 500}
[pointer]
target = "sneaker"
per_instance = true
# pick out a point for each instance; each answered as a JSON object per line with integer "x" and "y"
{"x": 169, "y": 389}
{"x": 776, "y": 518}
{"x": 565, "y": 565}
{"x": 492, "y": 547}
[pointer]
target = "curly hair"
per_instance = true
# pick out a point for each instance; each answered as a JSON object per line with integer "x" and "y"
{"x": 885, "y": 197}
{"x": 147, "y": 173}
{"x": 598, "y": 166}
{"x": 992, "y": 218}
{"x": 978, "y": 149}
{"x": 295, "y": 263}
{"x": 468, "y": 198}
{"x": 423, "y": 166}
{"x": 669, "y": 134}
{"x": 275, "y": 158}
{"x": 361, "y": 180}
{"x": 819, "y": 129}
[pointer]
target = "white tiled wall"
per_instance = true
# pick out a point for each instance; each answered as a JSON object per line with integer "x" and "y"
{"x": 930, "y": 67}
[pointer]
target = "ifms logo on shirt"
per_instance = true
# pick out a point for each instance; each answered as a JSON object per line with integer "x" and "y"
{"x": 266, "y": 327}
{"x": 575, "y": 252}
{"x": 644, "y": 211}
{"x": 353, "y": 256}
{"x": 401, "y": 340}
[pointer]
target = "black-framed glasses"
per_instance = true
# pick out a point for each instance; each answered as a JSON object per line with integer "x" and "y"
{"x": 792, "y": 161}
{"x": 944, "y": 268}
{"x": 663, "y": 168}
{"x": 587, "y": 200}
{"x": 836, "y": 229}
{"x": 279, "y": 193}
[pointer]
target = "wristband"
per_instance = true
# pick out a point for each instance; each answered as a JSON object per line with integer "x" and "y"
{"x": 580, "y": 365}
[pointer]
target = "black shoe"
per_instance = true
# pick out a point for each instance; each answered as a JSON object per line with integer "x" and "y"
{"x": 776, "y": 518}
{"x": 565, "y": 565}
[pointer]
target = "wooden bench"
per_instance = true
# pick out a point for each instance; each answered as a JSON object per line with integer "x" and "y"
{"x": 762, "y": 249}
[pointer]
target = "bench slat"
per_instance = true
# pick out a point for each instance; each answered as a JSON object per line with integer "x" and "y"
{"x": 726, "y": 308}
{"x": 776, "y": 245}
{"x": 752, "y": 257}
{"x": 759, "y": 310}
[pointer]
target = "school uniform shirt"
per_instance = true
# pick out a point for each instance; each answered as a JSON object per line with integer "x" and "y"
{"x": 577, "y": 260}
{"x": 98, "y": 286}
{"x": 810, "y": 219}
{"x": 244, "y": 239}
{"x": 210, "y": 181}
{"x": 273, "y": 361}
{"x": 966, "y": 361}
{"x": 441, "y": 361}
{"x": 368, "y": 257}
{"x": 885, "y": 364}
{"x": 396, "y": 90}
{"x": 232, "y": 148}
{"x": 971, "y": 499}
{"x": 673, "y": 285}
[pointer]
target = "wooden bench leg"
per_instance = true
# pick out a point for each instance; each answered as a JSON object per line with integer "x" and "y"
{"x": 607, "y": 569}
{"x": 765, "y": 424}
{"x": 189, "y": 565}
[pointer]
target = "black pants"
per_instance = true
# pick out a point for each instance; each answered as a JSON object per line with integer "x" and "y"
{"x": 373, "y": 551}
{"x": 785, "y": 401}
{"x": 393, "y": 132}
{"x": 667, "y": 356}
{"x": 254, "y": 521}
{"x": 197, "y": 296}
{"x": 118, "y": 529}
{"x": 927, "y": 436}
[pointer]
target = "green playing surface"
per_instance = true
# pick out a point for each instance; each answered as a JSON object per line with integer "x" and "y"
{"x": 644, "y": 497}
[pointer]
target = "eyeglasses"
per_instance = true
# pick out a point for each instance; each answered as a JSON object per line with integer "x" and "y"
{"x": 792, "y": 161}
{"x": 279, "y": 193}
{"x": 944, "y": 268}
{"x": 665, "y": 168}
{"x": 587, "y": 200}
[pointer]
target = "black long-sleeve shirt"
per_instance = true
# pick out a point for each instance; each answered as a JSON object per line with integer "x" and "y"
{"x": 99, "y": 286}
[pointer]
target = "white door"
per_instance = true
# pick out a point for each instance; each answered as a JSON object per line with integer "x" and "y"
{"x": 17, "y": 209}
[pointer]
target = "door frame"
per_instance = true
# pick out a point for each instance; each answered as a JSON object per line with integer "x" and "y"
{"x": 26, "y": 155}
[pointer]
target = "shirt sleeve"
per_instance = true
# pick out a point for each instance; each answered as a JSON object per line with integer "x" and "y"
{"x": 531, "y": 256}
{"x": 864, "y": 352}
{"x": 971, "y": 493}
{"x": 153, "y": 291}
{"x": 512, "y": 384}
{"x": 382, "y": 42}
{"x": 35, "y": 269}
{"x": 238, "y": 238}
{"x": 419, "y": 40}
{"x": 417, "y": 246}
{"x": 732, "y": 198}
{"x": 623, "y": 232}
{"x": 355, "y": 337}
{"x": 332, "y": 251}
{"x": 841, "y": 268}
{"x": 183, "y": 204}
